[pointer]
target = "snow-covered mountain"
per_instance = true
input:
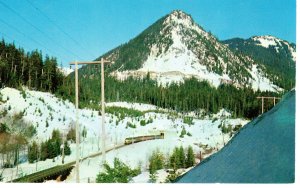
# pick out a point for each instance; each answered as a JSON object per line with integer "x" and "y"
{"x": 65, "y": 70}
{"x": 175, "y": 48}
{"x": 276, "y": 56}
{"x": 269, "y": 41}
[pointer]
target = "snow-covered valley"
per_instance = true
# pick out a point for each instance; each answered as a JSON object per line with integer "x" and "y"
{"x": 46, "y": 112}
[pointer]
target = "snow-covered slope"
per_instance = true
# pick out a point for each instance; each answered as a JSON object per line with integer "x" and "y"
{"x": 65, "y": 70}
{"x": 182, "y": 49}
{"x": 268, "y": 41}
{"x": 46, "y": 112}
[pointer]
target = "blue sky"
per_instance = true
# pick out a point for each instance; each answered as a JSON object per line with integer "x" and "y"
{"x": 100, "y": 25}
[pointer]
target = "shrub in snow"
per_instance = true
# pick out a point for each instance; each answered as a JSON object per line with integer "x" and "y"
{"x": 3, "y": 113}
{"x": 131, "y": 125}
{"x": 183, "y": 132}
{"x": 3, "y": 128}
{"x": 67, "y": 148}
{"x": 42, "y": 100}
{"x": 23, "y": 93}
{"x": 150, "y": 121}
{"x": 214, "y": 119}
{"x": 188, "y": 120}
{"x": 153, "y": 177}
{"x": 119, "y": 173}
{"x": 237, "y": 128}
{"x": 172, "y": 177}
{"x": 226, "y": 129}
{"x": 142, "y": 122}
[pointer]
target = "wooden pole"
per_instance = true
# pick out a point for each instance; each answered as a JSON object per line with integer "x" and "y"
{"x": 262, "y": 105}
{"x": 103, "y": 110}
{"x": 102, "y": 103}
{"x": 262, "y": 101}
{"x": 77, "y": 125}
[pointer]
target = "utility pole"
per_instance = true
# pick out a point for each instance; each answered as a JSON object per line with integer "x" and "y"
{"x": 102, "y": 110}
{"x": 77, "y": 125}
{"x": 262, "y": 101}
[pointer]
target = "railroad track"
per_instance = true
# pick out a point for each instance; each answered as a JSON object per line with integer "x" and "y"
{"x": 40, "y": 176}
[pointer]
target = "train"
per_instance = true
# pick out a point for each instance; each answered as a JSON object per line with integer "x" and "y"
{"x": 137, "y": 139}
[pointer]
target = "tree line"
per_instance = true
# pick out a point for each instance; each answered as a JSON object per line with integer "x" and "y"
{"x": 31, "y": 69}
{"x": 191, "y": 95}
{"x": 48, "y": 149}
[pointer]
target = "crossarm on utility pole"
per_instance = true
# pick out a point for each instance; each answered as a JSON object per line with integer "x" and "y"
{"x": 90, "y": 63}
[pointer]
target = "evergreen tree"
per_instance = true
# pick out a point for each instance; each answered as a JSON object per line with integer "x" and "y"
{"x": 174, "y": 161}
{"x": 33, "y": 152}
{"x": 156, "y": 161}
{"x": 190, "y": 158}
{"x": 19, "y": 68}
{"x": 67, "y": 148}
{"x": 44, "y": 151}
{"x": 181, "y": 156}
{"x": 119, "y": 173}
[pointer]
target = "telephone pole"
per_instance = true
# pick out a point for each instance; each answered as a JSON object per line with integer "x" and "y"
{"x": 102, "y": 110}
{"x": 262, "y": 101}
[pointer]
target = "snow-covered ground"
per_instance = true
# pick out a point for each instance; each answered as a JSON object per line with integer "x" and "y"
{"x": 260, "y": 82}
{"x": 40, "y": 108}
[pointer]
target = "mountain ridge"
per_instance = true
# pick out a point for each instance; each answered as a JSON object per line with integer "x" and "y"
{"x": 276, "y": 55}
{"x": 176, "y": 48}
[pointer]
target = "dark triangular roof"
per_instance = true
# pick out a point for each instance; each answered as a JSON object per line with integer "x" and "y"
{"x": 263, "y": 151}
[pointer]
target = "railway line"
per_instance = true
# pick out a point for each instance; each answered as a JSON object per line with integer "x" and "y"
{"x": 65, "y": 169}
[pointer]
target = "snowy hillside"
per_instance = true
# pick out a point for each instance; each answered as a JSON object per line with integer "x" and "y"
{"x": 181, "y": 49}
{"x": 268, "y": 41}
{"x": 275, "y": 56}
{"x": 46, "y": 112}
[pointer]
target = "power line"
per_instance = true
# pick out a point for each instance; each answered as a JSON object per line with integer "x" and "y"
{"x": 57, "y": 26}
{"x": 25, "y": 20}
{"x": 20, "y": 32}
